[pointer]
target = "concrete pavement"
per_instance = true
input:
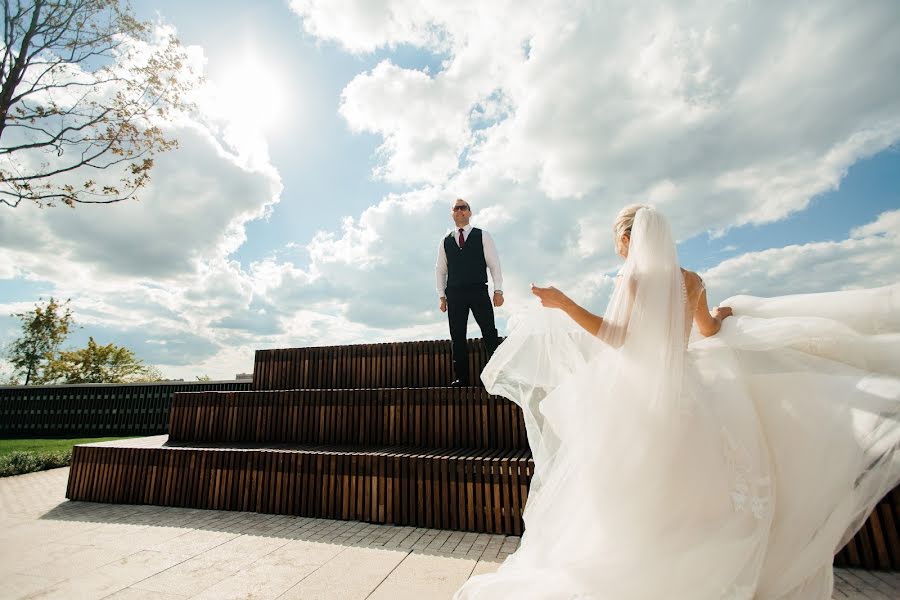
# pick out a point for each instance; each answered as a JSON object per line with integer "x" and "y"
{"x": 53, "y": 548}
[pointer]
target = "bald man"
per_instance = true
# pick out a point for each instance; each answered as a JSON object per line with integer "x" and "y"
{"x": 464, "y": 257}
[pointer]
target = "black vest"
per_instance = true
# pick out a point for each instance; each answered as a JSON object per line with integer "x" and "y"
{"x": 465, "y": 266}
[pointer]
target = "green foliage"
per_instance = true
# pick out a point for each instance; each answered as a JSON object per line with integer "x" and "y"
{"x": 100, "y": 364}
{"x": 19, "y": 456}
{"x": 47, "y": 445}
{"x": 43, "y": 331}
{"x": 20, "y": 461}
{"x": 203, "y": 378}
{"x": 149, "y": 374}
{"x": 36, "y": 356}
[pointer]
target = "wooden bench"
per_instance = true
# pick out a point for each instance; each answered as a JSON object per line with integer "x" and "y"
{"x": 351, "y": 432}
{"x": 453, "y": 488}
{"x": 391, "y": 365}
{"x": 361, "y": 432}
{"x": 424, "y": 417}
{"x": 877, "y": 544}
{"x": 431, "y": 457}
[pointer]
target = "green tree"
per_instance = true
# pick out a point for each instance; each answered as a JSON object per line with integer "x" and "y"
{"x": 82, "y": 91}
{"x": 150, "y": 374}
{"x": 100, "y": 364}
{"x": 43, "y": 331}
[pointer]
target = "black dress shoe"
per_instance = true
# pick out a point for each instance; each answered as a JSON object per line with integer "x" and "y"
{"x": 457, "y": 383}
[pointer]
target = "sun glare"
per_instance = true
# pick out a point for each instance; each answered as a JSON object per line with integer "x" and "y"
{"x": 250, "y": 93}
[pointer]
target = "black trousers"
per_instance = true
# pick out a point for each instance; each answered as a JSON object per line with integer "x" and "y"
{"x": 460, "y": 300}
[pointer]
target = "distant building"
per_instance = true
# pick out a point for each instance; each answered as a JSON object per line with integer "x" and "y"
{"x": 243, "y": 376}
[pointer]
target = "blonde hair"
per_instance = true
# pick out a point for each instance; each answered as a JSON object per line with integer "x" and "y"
{"x": 624, "y": 221}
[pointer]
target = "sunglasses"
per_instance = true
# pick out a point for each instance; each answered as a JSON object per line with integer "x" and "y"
{"x": 460, "y": 208}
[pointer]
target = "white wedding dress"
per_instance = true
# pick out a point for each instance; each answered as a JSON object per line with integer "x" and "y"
{"x": 671, "y": 466}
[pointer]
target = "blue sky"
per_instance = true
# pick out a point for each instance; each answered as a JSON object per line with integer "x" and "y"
{"x": 871, "y": 187}
{"x": 312, "y": 185}
{"x": 326, "y": 169}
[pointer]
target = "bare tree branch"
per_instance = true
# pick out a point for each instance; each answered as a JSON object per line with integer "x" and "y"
{"x": 77, "y": 94}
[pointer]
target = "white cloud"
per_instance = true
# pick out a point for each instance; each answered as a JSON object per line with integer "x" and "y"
{"x": 363, "y": 27}
{"x": 548, "y": 117}
{"x": 888, "y": 223}
{"x": 869, "y": 258}
{"x": 744, "y": 113}
{"x": 352, "y": 247}
{"x": 420, "y": 118}
{"x": 493, "y": 216}
{"x": 720, "y": 116}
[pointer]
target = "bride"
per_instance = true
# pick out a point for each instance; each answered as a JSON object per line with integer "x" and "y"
{"x": 728, "y": 462}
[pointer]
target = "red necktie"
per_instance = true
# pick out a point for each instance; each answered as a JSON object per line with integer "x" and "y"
{"x": 462, "y": 240}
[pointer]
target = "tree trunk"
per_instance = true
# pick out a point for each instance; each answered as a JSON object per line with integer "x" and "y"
{"x": 18, "y": 69}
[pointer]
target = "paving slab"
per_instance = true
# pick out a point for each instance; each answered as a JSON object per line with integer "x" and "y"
{"x": 485, "y": 566}
{"x": 279, "y": 567}
{"x": 353, "y": 574}
{"x": 53, "y": 548}
{"x": 424, "y": 576}
{"x": 136, "y": 594}
{"x": 17, "y": 585}
{"x": 192, "y": 576}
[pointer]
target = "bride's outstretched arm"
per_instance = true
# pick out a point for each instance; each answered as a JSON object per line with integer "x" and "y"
{"x": 613, "y": 333}
{"x": 708, "y": 323}
{"x": 553, "y": 298}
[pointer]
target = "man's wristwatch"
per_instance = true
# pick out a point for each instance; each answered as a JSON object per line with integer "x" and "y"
{"x": 498, "y": 292}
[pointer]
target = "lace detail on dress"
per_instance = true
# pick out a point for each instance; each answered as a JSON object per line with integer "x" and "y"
{"x": 825, "y": 346}
{"x": 748, "y": 492}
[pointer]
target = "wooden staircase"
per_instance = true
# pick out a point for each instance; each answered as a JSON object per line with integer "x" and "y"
{"x": 348, "y": 432}
{"x": 363, "y": 432}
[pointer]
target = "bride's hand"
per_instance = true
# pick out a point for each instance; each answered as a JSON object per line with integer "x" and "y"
{"x": 551, "y": 297}
{"x": 722, "y": 312}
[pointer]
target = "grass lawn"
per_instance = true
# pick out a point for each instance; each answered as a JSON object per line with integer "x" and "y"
{"x": 47, "y": 445}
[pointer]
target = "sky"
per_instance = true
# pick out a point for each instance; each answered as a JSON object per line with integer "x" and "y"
{"x": 313, "y": 182}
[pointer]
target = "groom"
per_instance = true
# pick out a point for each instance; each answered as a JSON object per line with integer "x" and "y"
{"x": 464, "y": 256}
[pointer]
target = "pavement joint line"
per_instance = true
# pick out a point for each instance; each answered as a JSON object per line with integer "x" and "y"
{"x": 369, "y": 595}
{"x": 474, "y": 566}
{"x": 178, "y": 563}
{"x": 311, "y": 572}
{"x": 134, "y": 583}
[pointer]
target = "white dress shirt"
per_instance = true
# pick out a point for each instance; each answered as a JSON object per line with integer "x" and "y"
{"x": 490, "y": 257}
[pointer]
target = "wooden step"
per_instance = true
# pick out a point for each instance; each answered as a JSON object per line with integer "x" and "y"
{"x": 447, "y": 488}
{"x": 463, "y": 489}
{"x": 877, "y": 544}
{"x": 423, "y": 417}
{"x": 389, "y": 365}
